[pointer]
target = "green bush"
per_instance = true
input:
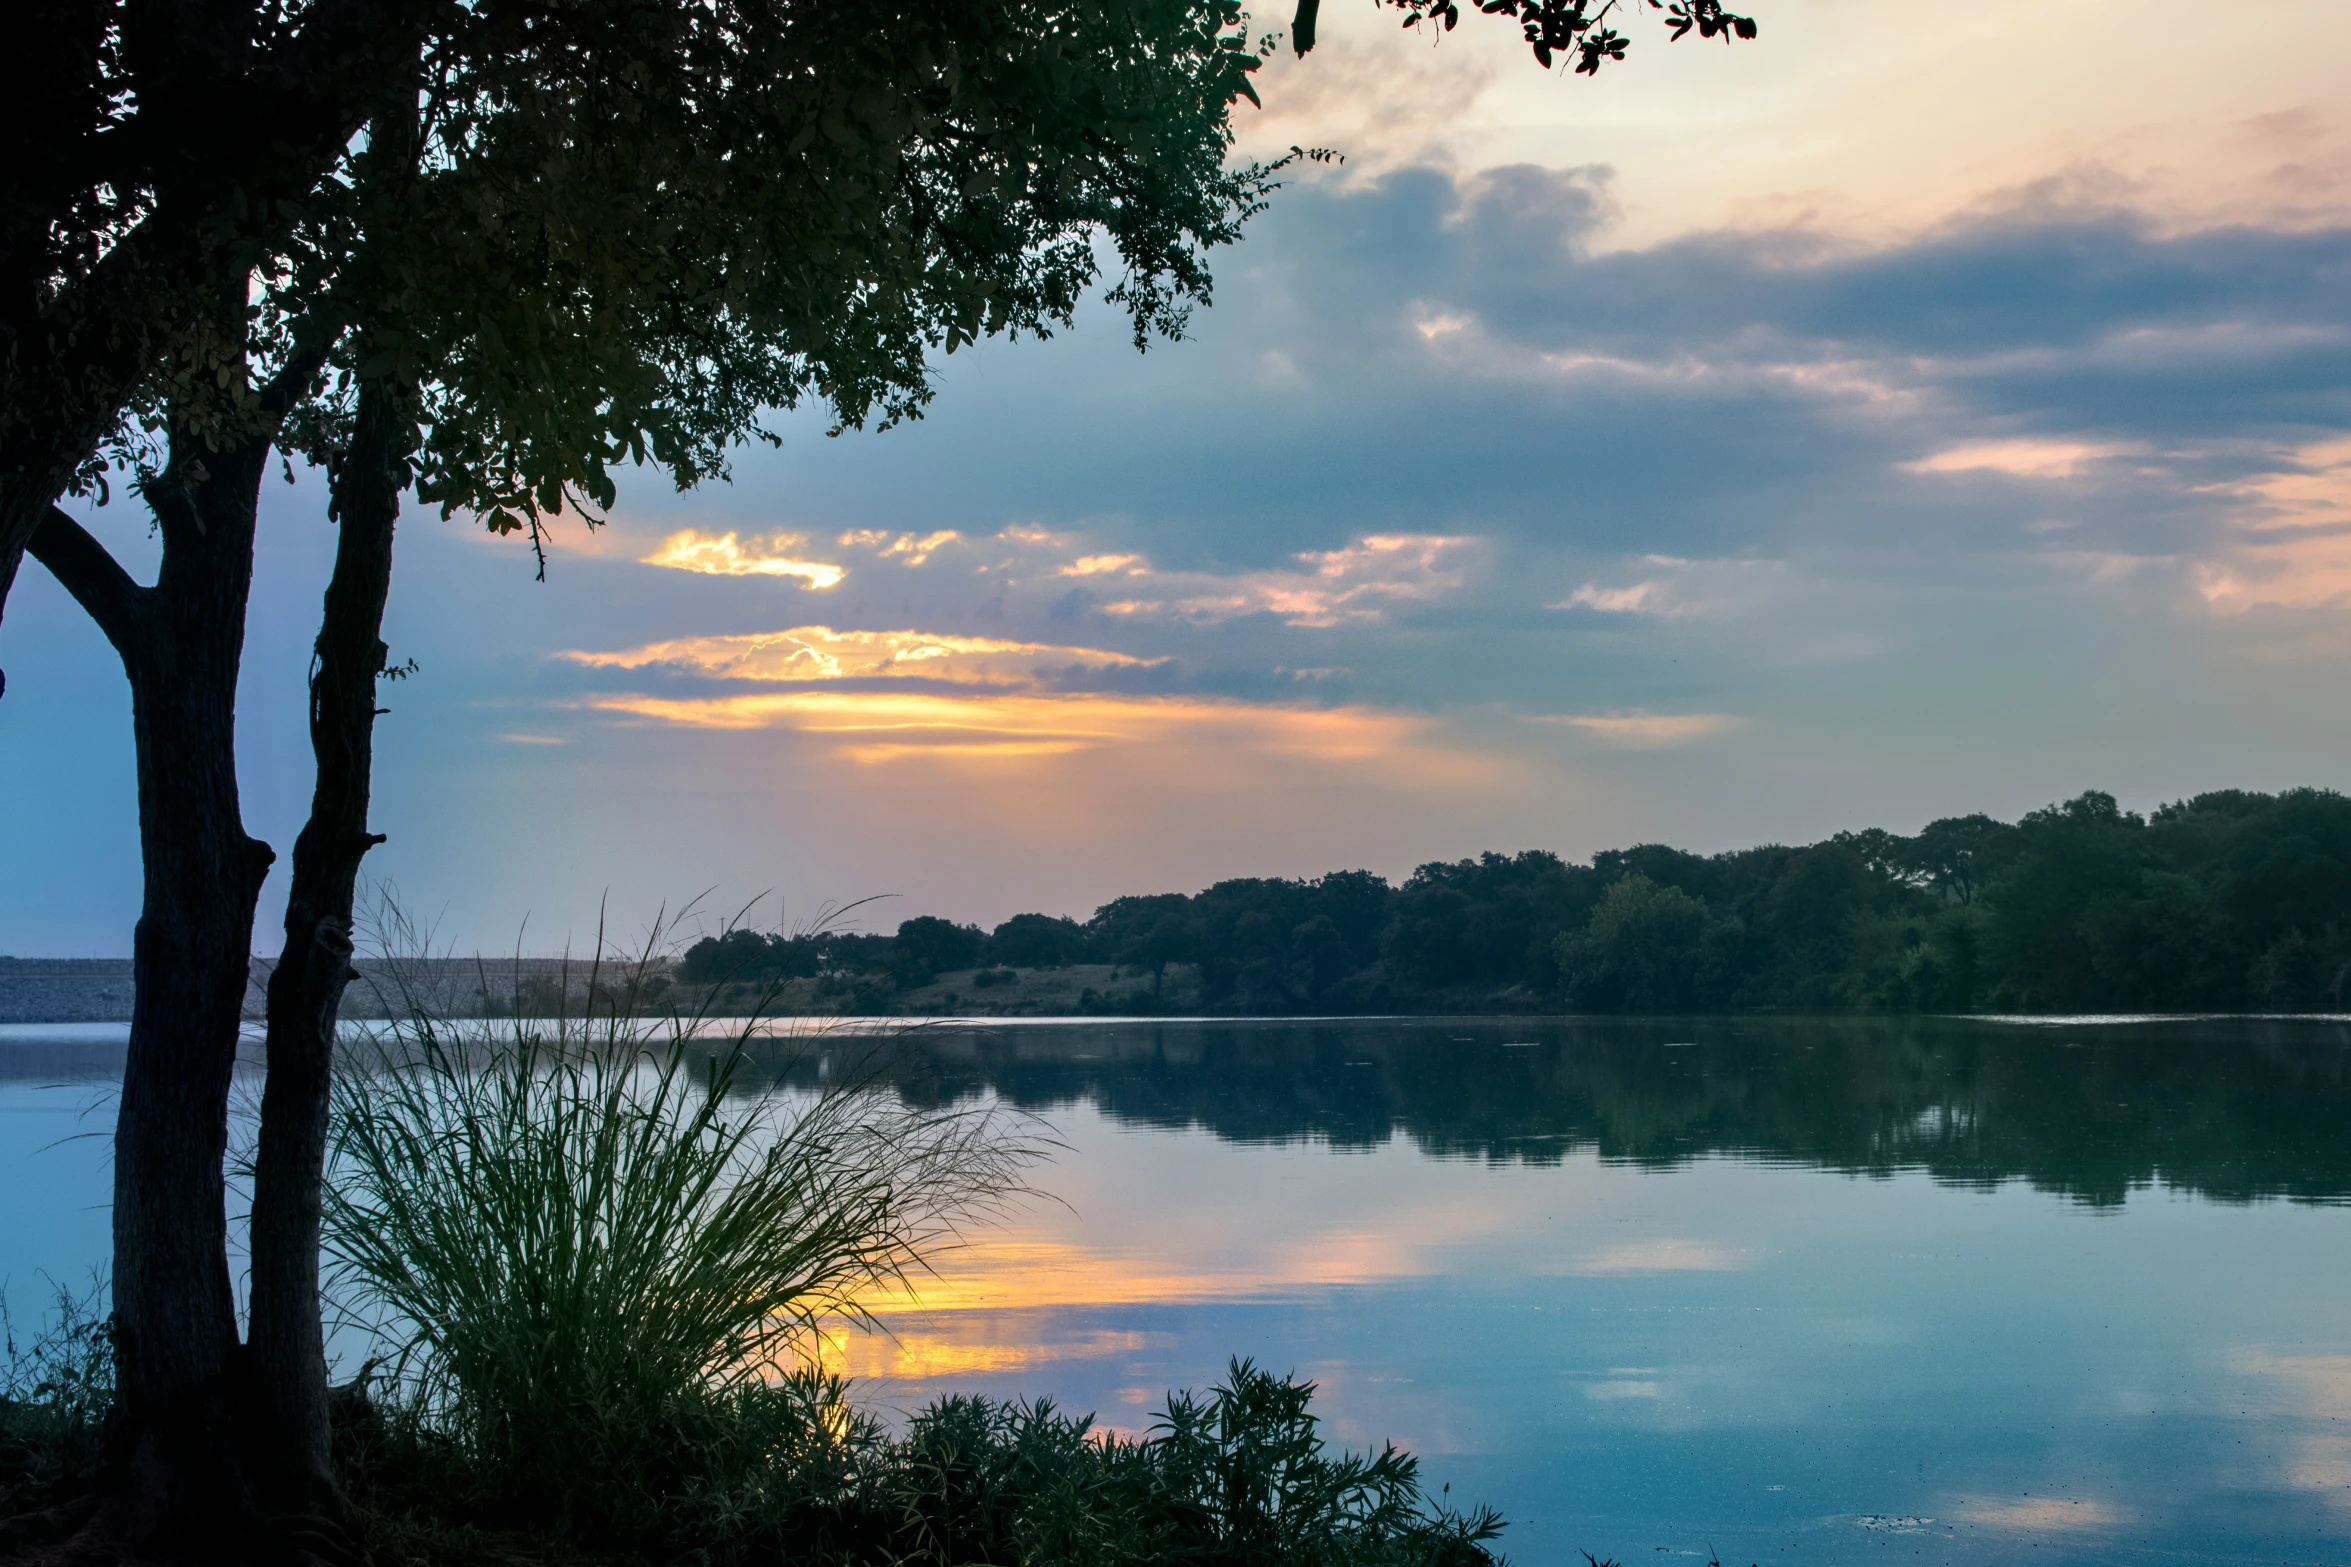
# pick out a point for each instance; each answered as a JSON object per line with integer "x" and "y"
{"x": 1241, "y": 1479}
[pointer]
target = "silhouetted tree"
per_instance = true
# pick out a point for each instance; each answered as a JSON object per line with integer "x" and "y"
{"x": 570, "y": 237}
{"x": 928, "y": 946}
{"x": 1037, "y": 941}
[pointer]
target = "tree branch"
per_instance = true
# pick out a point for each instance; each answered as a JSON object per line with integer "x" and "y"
{"x": 293, "y": 379}
{"x": 100, "y": 585}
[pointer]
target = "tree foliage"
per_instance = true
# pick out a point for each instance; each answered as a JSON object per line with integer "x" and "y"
{"x": 624, "y": 232}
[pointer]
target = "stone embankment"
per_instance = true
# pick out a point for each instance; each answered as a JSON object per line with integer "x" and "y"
{"x": 98, "y": 990}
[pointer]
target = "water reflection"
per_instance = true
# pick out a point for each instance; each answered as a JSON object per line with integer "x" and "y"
{"x": 1832, "y": 1291}
{"x": 2230, "y": 1109}
{"x": 1828, "y": 1291}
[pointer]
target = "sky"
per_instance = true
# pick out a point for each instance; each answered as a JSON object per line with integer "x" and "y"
{"x": 1922, "y": 410}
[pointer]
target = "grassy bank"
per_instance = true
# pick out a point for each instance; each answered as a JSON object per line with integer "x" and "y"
{"x": 594, "y": 1249}
{"x": 591, "y": 1250}
{"x": 790, "y": 1471}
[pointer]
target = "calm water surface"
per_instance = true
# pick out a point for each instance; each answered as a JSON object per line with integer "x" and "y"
{"x": 1827, "y": 1292}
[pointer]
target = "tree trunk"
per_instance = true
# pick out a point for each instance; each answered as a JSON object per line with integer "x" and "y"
{"x": 306, "y": 989}
{"x": 197, "y": 1461}
{"x": 175, "y": 1315}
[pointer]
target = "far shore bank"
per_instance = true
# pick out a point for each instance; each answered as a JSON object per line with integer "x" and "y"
{"x": 79, "y": 992}
{"x": 99, "y": 990}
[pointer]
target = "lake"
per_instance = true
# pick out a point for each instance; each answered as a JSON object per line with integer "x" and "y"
{"x": 1823, "y": 1291}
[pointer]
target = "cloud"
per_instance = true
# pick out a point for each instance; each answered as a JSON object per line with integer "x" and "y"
{"x": 2030, "y": 459}
{"x": 1684, "y": 589}
{"x": 1096, "y": 565}
{"x": 912, "y": 549}
{"x": 1855, "y": 119}
{"x": 884, "y": 726}
{"x": 1620, "y": 1388}
{"x": 2293, "y": 544}
{"x": 1930, "y": 516}
{"x": 1638, "y": 598}
{"x": 721, "y": 555}
{"x": 1360, "y": 583}
{"x": 1646, "y": 731}
{"x": 884, "y": 696}
{"x": 805, "y": 653}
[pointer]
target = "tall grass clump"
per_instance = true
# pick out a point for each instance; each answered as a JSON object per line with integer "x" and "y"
{"x": 593, "y": 1245}
{"x": 594, "y": 1248}
{"x": 56, "y": 1391}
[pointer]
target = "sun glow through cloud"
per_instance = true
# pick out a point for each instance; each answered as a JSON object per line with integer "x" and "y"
{"x": 804, "y": 653}
{"x": 889, "y": 696}
{"x": 1096, "y": 565}
{"x": 882, "y": 726}
{"x": 909, "y": 548}
{"x": 722, "y": 555}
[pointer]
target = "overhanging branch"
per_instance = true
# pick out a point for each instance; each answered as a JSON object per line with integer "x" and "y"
{"x": 97, "y": 582}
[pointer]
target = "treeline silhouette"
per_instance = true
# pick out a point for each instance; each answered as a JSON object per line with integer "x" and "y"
{"x": 2230, "y": 900}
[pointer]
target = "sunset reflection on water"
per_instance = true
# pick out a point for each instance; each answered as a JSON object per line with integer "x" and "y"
{"x": 1829, "y": 1291}
{"x": 1731, "y": 1347}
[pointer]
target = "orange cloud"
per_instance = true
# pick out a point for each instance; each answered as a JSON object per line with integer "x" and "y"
{"x": 2024, "y": 459}
{"x": 821, "y": 653}
{"x": 2293, "y": 549}
{"x": 882, "y": 726}
{"x": 910, "y": 548}
{"x": 1870, "y": 132}
{"x": 1096, "y": 565}
{"x": 723, "y": 555}
{"x": 982, "y": 701}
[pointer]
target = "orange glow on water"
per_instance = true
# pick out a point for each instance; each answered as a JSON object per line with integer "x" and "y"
{"x": 988, "y": 1347}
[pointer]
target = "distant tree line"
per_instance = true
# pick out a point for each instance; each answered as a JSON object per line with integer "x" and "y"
{"x": 2227, "y": 901}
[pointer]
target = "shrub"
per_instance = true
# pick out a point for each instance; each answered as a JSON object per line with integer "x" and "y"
{"x": 1240, "y": 1479}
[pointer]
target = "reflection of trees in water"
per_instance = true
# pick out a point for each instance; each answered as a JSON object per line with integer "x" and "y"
{"x": 2232, "y": 1110}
